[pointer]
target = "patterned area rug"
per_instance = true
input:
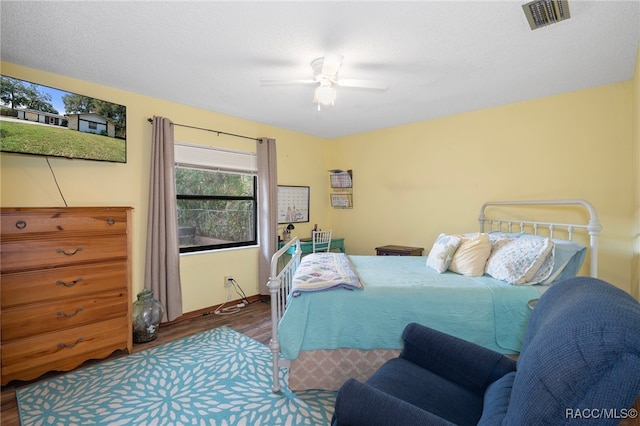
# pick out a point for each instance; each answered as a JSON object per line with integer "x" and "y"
{"x": 217, "y": 377}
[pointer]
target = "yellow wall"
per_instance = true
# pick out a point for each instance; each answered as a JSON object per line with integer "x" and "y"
{"x": 415, "y": 181}
{"x": 635, "y": 264}
{"x": 411, "y": 182}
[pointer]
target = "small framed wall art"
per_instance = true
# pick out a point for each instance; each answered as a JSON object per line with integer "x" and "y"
{"x": 293, "y": 204}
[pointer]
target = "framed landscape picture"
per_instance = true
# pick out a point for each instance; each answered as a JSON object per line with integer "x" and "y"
{"x": 42, "y": 120}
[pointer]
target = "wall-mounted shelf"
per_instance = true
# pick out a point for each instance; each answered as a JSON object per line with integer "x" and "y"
{"x": 341, "y": 189}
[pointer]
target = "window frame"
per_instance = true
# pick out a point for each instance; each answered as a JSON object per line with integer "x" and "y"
{"x": 228, "y": 162}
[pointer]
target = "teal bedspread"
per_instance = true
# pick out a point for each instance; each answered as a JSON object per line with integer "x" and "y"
{"x": 399, "y": 290}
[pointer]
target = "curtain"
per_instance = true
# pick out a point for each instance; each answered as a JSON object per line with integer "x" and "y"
{"x": 268, "y": 206}
{"x": 162, "y": 265}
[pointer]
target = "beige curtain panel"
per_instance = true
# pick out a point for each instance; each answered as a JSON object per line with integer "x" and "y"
{"x": 267, "y": 208}
{"x": 162, "y": 265}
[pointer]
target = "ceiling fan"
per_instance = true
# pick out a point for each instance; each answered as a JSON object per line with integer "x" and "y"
{"x": 325, "y": 77}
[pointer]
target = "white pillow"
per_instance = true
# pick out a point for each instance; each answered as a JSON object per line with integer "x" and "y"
{"x": 518, "y": 261}
{"x": 442, "y": 252}
{"x": 471, "y": 256}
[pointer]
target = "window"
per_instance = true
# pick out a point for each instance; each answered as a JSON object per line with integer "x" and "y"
{"x": 216, "y": 198}
{"x": 93, "y": 125}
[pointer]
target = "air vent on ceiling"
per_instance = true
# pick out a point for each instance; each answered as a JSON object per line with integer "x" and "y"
{"x": 541, "y": 13}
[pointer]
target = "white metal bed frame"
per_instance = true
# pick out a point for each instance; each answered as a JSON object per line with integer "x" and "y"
{"x": 279, "y": 285}
{"x": 283, "y": 269}
{"x": 593, "y": 227}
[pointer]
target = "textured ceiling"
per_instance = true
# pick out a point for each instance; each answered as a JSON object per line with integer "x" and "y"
{"x": 438, "y": 57}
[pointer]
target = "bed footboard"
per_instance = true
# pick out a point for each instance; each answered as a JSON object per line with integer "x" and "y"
{"x": 283, "y": 265}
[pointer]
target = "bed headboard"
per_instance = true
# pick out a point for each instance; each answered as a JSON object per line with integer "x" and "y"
{"x": 593, "y": 227}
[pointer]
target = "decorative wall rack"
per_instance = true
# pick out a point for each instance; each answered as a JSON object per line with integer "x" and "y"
{"x": 341, "y": 188}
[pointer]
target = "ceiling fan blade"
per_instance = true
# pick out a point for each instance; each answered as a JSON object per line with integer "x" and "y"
{"x": 362, "y": 84}
{"x": 280, "y": 82}
{"x": 331, "y": 64}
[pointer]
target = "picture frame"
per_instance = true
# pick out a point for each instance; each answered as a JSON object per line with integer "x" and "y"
{"x": 293, "y": 204}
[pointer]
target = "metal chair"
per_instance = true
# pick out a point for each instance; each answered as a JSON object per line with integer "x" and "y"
{"x": 322, "y": 240}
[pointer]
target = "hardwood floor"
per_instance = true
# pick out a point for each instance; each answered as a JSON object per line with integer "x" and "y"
{"x": 253, "y": 320}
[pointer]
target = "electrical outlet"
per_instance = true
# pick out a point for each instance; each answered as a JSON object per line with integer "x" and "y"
{"x": 228, "y": 280}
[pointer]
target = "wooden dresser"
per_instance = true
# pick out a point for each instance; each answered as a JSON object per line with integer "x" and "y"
{"x": 65, "y": 289}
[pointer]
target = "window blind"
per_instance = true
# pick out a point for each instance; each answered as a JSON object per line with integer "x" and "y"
{"x": 207, "y": 157}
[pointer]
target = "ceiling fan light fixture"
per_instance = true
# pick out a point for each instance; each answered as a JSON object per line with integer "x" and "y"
{"x": 325, "y": 95}
{"x": 326, "y": 81}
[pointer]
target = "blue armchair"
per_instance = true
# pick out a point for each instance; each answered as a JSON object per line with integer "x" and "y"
{"x": 580, "y": 358}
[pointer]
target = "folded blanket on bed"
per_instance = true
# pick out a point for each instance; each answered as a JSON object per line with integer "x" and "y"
{"x": 324, "y": 271}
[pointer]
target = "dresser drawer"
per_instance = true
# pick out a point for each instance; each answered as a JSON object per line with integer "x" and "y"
{"x": 24, "y": 255}
{"x": 53, "y": 316}
{"x": 58, "y": 222}
{"x": 62, "y": 283}
{"x": 28, "y": 358}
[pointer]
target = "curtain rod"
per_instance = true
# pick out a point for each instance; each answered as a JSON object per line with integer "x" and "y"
{"x": 150, "y": 120}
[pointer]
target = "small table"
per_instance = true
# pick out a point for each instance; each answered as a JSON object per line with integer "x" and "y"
{"x": 306, "y": 245}
{"x": 392, "y": 250}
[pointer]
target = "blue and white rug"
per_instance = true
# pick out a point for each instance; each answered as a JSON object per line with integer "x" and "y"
{"x": 217, "y": 377}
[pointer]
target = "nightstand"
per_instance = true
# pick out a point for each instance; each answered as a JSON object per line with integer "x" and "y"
{"x": 398, "y": 251}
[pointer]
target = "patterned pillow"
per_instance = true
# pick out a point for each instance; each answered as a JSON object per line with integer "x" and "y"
{"x": 471, "y": 256}
{"x": 566, "y": 260}
{"x": 498, "y": 238}
{"x": 569, "y": 256}
{"x": 518, "y": 261}
{"x": 442, "y": 252}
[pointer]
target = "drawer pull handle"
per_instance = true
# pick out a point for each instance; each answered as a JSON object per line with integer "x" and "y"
{"x": 69, "y": 253}
{"x": 71, "y": 284}
{"x": 21, "y": 224}
{"x": 66, "y": 315}
{"x": 111, "y": 221}
{"x": 73, "y": 345}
